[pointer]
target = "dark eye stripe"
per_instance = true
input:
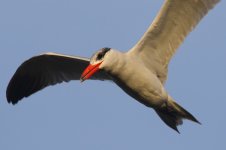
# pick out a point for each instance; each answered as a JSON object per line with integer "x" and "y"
{"x": 106, "y": 49}
{"x": 101, "y": 54}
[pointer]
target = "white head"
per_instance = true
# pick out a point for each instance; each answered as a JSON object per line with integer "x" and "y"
{"x": 95, "y": 63}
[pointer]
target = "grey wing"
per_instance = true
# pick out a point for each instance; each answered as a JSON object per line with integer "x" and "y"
{"x": 168, "y": 30}
{"x": 47, "y": 69}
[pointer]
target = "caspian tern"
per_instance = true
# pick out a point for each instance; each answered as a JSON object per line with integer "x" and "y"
{"x": 141, "y": 72}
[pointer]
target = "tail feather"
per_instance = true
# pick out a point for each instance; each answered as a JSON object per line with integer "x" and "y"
{"x": 173, "y": 114}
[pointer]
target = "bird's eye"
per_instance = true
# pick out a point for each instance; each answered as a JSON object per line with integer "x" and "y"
{"x": 99, "y": 56}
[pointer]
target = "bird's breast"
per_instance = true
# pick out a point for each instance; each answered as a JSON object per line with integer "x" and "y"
{"x": 140, "y": 83}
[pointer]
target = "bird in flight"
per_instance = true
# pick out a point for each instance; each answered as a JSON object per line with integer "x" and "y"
{"x": 141, "y": 72}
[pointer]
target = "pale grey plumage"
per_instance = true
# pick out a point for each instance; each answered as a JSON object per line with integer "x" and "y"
{"x": 168, "y": 30}
{"x": 141, "y": 72}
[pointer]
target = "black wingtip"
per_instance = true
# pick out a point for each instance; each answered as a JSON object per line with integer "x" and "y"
{"x": 11, "y": 99}
{"x": 10, "y": 94}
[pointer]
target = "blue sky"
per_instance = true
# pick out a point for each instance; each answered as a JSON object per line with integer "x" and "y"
{"x": 99, "y": 115}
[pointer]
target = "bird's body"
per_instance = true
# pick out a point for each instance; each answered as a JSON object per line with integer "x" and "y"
{"x": 142, "y": 84}
{"x": 141, "y": 72}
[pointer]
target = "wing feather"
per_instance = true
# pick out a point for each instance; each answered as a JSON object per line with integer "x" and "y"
{"x": 173, "y": 23}
{"x": 47, "y": 69}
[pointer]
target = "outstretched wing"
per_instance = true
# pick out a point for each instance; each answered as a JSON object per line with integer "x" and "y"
{"x": 47, "y": 69}
{"x": 168, "y": 30}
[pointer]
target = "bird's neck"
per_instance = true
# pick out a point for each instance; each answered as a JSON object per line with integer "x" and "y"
{"x": 114, "y": 62}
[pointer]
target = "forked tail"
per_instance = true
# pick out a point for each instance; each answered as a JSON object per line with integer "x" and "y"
{"x": 173, "y": 114}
